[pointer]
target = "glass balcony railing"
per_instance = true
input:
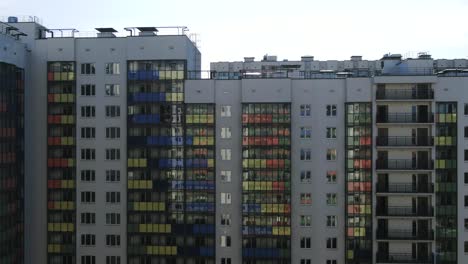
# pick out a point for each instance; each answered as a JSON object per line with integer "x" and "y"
{"x": 408, "y": 211}
{"x": 405, "y": 118}
{"x": 400, "y": 141}
{"x": 405, "y": 188}
{"x": 404, "y": 164}
{"x": 404, "y": 94}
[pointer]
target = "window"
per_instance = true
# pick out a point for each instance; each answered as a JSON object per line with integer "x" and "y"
{"x": 225, "y": 198}
{"x": 306, "y": 154}
{"x": 112, "y": 111}
{"x": 306, "y": 220}
{"x": 306, "y": 198}
{"x": 331, "y": 242}
{"x": 88, "y": 90}
{"x": 88, "y": 175}
{"x": 306, "y": 261}
{"x": 305, "y": 109}
{"x": 306, "y": 176}
{"x": 331, "y": 154}
{"x": 331, "y": 220}
{"x": 466, "y": 200}
{"x": 88, "y": 132}
{"x": 466, "y": 154}
{"x": 226, "y": 261}
{"x": 225, "y": 241}
{"x": 466, "y": 177}
{"x": 225, "y": 132}
{"x": 112, "y": 132}
{"x": 88, "y": 239}
{"x": 88, "y": 111}
{"x": 112, "y": 89}
{"x": 113, "y": 240}
{"x": 112, "y": 154}
{"x": 88, "y": 259}
{"x": 226, "y": 219}
{"x": 226, "y": 176}
{"x": 225, "y": 110}
{"x": 466, "y": 223}
{"x": 466, "y": 131}
{"x": 112, "y": 259}
{"x": 112, "y": 175}
{"x": 226, "y": 154}
{"x": 88, "y": 197}
{"x": 113, "y": 219}
{"x": 306, "y": 132}
{"x": 112, "y": 197}
{"x": 305, "y": 242}
{"x": 466, "y": 109}
{"x": 331, "y": 198}
{"x": 331, "y": 261}
{"x": 112, "y": 68}
{"x": 331, "y": 176}
{"x": 331, "y": 110}
{"x": 88, "y": 154}
{"x": 88, "y": 68}
{"x": 88, "y": 218}
{"x": 466, "y": 246}
{"x": 331, "y": 132}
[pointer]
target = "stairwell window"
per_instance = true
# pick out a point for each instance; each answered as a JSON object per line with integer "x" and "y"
{"x": 112, "y": 90}
{"x": 225, "y": 241}
{"x": 225, "y": 111}
{"x": 88, "y": 68}
{"x": 225, "y": 198}
{"x": 305, "y": 109}
{"x": 306, "y": 198}
{"x": 331, "y": 243}
{"x": 226, "y": 154}
{"x": 331, "y": 154}
{"x": 331, "y": 110}
{"x": 331, "y": 198}
{"x": 112, "y": 68}
{"x": 88, "y": 239}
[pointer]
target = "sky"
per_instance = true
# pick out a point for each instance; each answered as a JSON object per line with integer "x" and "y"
{"x": 232, "y": 30}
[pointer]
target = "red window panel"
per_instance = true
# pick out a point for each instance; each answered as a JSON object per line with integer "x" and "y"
{"x": 50, "y": 98}
{"x": 50, "y": 205}
{"x": 50, "y": 76}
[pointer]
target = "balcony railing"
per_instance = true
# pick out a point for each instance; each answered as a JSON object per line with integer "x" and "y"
{"x": 403, "y": 164}
{"x": 404, "y": 234}
{"x": 405, "y": 188}
{"x": 404, "y": 94}
{"x": 405, "y": 211}
{"x": 405, "y": 118}
{"x": 397, "y": 141}
{"x": 404, "y": 258}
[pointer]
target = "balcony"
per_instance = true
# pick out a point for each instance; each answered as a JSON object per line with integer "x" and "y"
{"x": 405, "y": 211}
{"x": 405, "y": 94}
{"x": 403, "y": 164}
{"x": 405, "y": 188}
{"x": 398, "y": 141}
{"x": 397, "y": 234}
{"x": 405, "y": 118}
{"x": 404, "y": 258}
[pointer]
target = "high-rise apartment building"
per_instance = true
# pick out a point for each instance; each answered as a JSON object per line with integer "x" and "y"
{"x": 12, "y": 67}
{"x": 133, "y": 155}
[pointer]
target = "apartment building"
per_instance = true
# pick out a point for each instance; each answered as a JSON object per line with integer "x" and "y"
{"x": 134, "y": 155}
{"x": 13, "y": 57}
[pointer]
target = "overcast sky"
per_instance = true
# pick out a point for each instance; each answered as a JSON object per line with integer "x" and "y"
{"x": 231, "y": 30}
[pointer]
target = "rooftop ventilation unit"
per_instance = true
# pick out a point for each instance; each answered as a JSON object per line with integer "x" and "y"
{"x": 356, "y": 58}
{"x": 307, "y": 58}
{"x": 106, "y": 32}
{"x": 147, "y": 31}
{"x": 249, "y": 59}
